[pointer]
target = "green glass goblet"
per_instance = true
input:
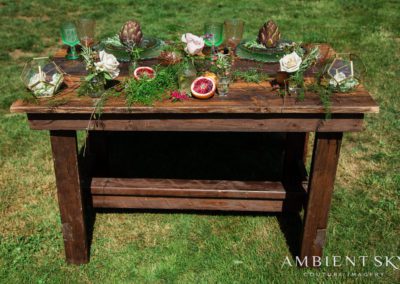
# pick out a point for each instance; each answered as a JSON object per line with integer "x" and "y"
{"x": 69, "y": 37}
{"x": 214, "y": 34}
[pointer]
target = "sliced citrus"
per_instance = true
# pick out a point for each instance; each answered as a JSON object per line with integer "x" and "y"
{"x": 144, "y": 73}
{"x": 203, "y": 88}
{"x": 212, "y": 76}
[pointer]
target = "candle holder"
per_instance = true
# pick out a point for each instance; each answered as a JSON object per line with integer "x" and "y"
{"x": 69, "y": 37}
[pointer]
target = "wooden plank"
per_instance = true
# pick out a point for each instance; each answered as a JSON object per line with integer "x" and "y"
{"x": 71, "y": 203}
{"x": 322, "y": 178}
{"x": 243, "y": 98}
{"x": 194, "y": 188}
{"x": 139, "y": 202}
{"x": 228, "y": 123}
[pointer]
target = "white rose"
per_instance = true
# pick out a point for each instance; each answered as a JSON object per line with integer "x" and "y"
{"x": 290, "y": 63}
{"x": 337, "y": 79}
{"x": 108, "y": 63}
{"x": 194, "y": 44}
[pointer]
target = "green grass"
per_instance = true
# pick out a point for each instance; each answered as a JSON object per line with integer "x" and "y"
{"x": 190, "y": 248}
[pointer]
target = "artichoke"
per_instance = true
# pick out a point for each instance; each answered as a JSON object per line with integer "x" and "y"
{"x": 269, "y": 34}
{"x": 131, "y": 34}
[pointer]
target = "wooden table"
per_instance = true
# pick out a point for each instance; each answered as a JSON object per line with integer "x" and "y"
{"x": 248, "y": 108}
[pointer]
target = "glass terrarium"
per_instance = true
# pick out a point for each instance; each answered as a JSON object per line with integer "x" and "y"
{"x": 345, "y": 71}
{"x": 42, "y": 76}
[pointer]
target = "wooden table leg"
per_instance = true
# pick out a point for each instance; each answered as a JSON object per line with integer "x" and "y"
{"x": 322, "y": 177}
{"x": 70, "y": 200}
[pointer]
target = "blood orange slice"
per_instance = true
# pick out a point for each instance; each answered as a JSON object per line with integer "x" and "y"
{"x": 203, "y": 88}
{"x": 144, "y": 73}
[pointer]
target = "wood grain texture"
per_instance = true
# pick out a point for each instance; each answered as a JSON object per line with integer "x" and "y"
{"x": 243, "y": 97}
{"x": 184, "y": 203}
{"x": 198, "y": 122}
{"x": 194, "y": 188}
{"x": 321, "y": 183}
{"x": 71, "y": 203}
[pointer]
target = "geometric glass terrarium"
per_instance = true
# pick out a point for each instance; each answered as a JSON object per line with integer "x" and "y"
{"x": 42, "y": 76}
{"x": 345, "y": 71}
{"x": 341, "y": 69}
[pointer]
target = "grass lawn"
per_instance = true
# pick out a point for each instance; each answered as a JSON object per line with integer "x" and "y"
{"x": 192, "y": 248}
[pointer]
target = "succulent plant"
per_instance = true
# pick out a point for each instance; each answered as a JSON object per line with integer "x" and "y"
{"x": 269, "y": 34}
{"x": 131, "y": 34}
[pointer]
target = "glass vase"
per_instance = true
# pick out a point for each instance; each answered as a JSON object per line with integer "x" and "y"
{"x": 186, "y": 77}
{"x": 223, "y": 86}
{"x": 97, "y": 88}
{"x": 294, "y": 88}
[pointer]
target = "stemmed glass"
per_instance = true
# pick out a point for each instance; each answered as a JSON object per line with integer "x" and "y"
{"x": 214, "y": 35}
{"x": 233, "y": 32}
{"x": 86, "y": 31}
{"x": 69, "y": 37}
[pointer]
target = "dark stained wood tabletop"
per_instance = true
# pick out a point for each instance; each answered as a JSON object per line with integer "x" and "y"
{"x": 243, "y": 98}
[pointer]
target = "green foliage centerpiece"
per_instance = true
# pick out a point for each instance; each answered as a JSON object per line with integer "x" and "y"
{"x": 294, "y": 64}
{"x": 98, "y": 71}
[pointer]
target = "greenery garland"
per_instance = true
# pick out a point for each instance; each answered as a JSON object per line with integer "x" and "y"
{"x": 148, "y": 91}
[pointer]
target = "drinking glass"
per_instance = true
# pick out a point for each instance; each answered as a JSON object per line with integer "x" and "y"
{"x": 214, "y": 32}
{"x": 86, "y": 31}
{"x": 233, "y": 32}
{"x": 69, "y": 37}
{"x": 223, "y": 86}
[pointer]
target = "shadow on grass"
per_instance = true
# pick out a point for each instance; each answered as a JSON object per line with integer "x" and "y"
{"x": 183, "y": 155}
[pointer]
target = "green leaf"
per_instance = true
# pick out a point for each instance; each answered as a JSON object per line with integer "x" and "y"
{"x": 107, "y": 76}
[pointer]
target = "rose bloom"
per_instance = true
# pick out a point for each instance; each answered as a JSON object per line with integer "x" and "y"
{"x": 194, "y": 44}
{"x": 290, "y": 63}
{"x": 108, "y": 63}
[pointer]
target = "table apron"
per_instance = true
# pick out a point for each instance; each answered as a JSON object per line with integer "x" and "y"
{"x": 222, "y": 123}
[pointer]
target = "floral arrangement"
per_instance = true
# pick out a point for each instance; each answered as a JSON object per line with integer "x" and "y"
{"x": 177, "y": 96}
{"x": 222, "y": 64}
{"x": 179, "y": 79}
{"x": 295, "y": 63}
{"x": 194, "y": 44}
{"x": 107, "y": 68}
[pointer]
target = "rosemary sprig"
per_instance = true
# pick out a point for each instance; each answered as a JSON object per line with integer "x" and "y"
{"x": 148, "y": 91}
{"x": 251, "y": 76}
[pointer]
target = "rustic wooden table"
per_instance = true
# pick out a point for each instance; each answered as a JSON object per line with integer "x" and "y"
{"x": 248, "y": 108}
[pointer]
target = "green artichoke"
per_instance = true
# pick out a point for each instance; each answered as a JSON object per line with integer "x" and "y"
{"x": 269, "y": 34}
{"x": 131, "y": 34}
